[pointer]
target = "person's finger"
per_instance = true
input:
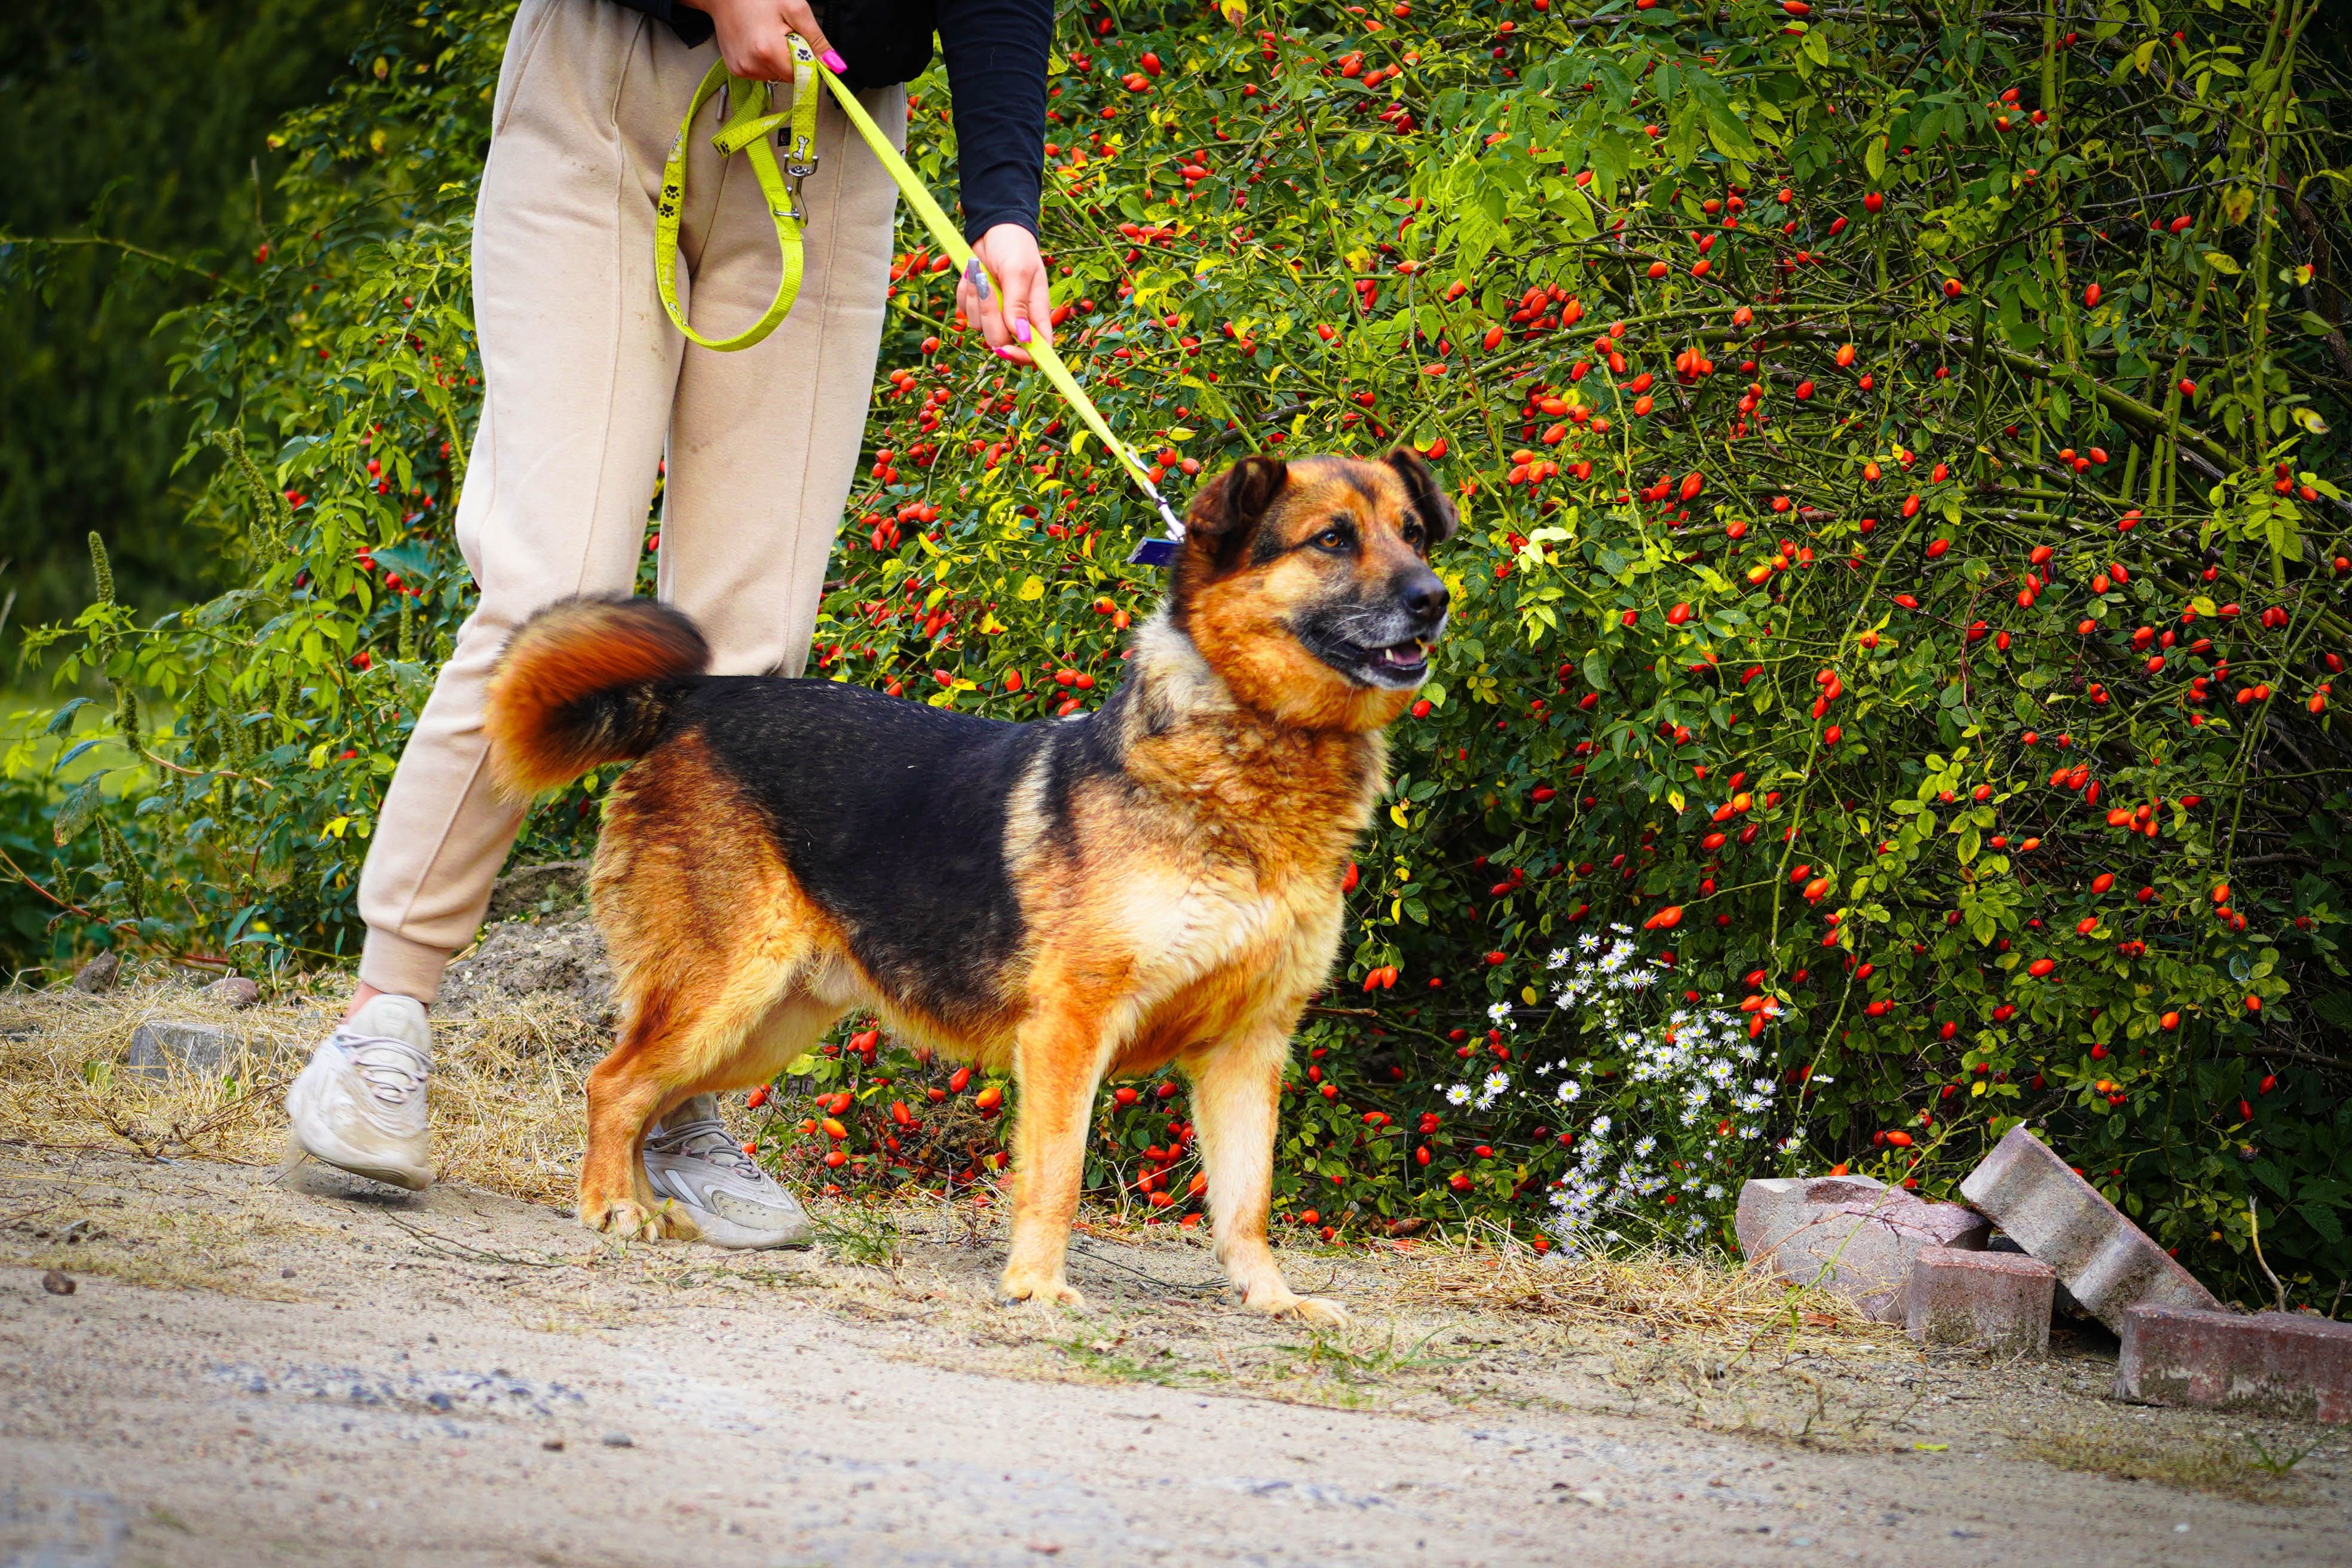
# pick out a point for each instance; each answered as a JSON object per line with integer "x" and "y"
{"x": 1041, "y": 303}
{"x": 802, "y": 20}
{"x": 765, "y": 56}
{"x": 1026, "y": 316}
{"x": 978, "y": 298}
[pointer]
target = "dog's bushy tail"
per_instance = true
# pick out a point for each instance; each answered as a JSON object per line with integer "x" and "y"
{"x": 585, "y": 683}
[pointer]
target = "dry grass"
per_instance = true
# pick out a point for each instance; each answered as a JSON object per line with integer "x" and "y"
{"x": 506, "y": 1084}
{"x": 1665, "y": 1292}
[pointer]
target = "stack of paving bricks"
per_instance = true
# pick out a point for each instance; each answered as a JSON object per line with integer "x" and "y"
{"x": 1925, "y": 1266}
{"x": 2180, "y": 1346}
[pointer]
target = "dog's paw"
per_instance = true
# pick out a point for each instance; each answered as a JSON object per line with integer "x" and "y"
{"x": 1317, "y": 1310}
{"x": 1012, "y": 1290}
{"x": 633, "y": 1221}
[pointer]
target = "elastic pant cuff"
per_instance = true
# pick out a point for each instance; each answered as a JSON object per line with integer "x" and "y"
{"x": 390, "y": 961}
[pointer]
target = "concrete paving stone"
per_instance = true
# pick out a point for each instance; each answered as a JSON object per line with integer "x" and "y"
{"x": 1997, "y": 1302}
{"x": 2109, "y": 1263}
{"x": 1851, "y": 1235}
{"x": 2270, "y": 1363}
{"x": 157, "y": 1048}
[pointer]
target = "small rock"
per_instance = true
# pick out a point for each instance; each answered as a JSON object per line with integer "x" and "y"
{"x": 57, "y": 1282}
{"x": 1592, "y": 1496}
{"x": 98, "y": 976}
{"x": 157, "y": 1048}
{"x": 553, "y": 1445}
{"x": 233, "y": 990}
{"x": 619, "y": 1440}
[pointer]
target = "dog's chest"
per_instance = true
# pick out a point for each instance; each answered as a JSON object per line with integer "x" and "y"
{"x": 1207, "y": 915}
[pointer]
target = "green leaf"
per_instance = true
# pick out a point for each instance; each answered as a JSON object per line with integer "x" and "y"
{"x": 79, "y": 807}
{"x": 63, "y": 719}
{"x": 1725, "y": 127}
{"x": 67, "y": 760}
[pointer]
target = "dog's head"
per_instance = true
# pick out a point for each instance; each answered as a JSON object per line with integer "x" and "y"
{"x": 1306, "y": 586}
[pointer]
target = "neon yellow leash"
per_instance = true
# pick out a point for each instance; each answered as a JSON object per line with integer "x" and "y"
{"x": 746, "y": 130}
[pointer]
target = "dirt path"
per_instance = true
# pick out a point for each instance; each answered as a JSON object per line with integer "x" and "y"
{"x": 303, "y": 1370}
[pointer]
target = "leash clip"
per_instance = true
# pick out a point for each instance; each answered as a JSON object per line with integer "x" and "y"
{"x": 798, "y": 165}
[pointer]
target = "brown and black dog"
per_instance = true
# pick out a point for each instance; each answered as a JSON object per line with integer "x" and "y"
{"x": 1155, "y": 882}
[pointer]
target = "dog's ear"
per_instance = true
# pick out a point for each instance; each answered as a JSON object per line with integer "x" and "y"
{"x": 1230, "y": 507}
{"x": 1437, "y": 513}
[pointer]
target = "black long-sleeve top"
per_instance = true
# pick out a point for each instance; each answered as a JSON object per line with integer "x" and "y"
{"x": 995, "y": 52}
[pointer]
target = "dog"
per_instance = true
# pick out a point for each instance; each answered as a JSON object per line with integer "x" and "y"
{"x": 1102, "y": 895}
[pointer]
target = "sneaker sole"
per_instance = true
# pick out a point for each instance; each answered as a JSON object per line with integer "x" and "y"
{"x": 390, "y": 1176}
{"x": 725, "y": 1233}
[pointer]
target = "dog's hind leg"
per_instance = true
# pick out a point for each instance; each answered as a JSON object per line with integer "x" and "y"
{"x": 681, "y": 1040}
{"x": 1237, "y": 1097}
{"x": 1057, "y": 1062}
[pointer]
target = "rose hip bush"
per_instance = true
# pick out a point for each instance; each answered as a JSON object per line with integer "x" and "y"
{"x": 1898, "y": 607}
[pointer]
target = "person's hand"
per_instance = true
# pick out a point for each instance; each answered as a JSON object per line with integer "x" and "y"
{"x": 1023, "y": 311}
{"x": 753, "y": 36}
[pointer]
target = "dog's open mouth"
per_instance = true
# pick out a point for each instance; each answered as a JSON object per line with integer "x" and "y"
{"x": 1408, "y": 657}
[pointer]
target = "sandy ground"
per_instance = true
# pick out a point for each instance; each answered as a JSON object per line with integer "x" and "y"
{"x": 262, "y": 1366}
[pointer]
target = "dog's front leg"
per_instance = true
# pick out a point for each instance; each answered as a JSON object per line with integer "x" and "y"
{"x": 1236, "y": 1099}
{"x": 1057, "y": 1065}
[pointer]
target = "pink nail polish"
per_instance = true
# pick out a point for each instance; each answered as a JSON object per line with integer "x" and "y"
{"x": 834, "y": 63}
{"x": 1021, "y": 329}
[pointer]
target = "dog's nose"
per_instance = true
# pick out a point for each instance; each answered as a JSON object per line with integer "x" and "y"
{"x": 1424, "y": 596}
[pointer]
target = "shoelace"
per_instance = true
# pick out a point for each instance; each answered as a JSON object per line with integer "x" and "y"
{"x": 710, "y": 1141}
{"x": 392, "y": 1069}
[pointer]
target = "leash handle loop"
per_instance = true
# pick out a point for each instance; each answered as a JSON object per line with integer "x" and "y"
{"x": 746, "y": 130}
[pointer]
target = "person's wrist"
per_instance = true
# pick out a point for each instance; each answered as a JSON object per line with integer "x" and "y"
{"x": 987, "y": 229}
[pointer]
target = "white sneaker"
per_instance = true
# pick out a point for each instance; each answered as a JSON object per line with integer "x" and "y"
{"x": 692, "y": 1159}
{"x": 359, "y": 1103}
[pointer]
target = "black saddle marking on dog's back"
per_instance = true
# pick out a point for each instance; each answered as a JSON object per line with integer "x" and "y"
{"x": 891, "y": 814}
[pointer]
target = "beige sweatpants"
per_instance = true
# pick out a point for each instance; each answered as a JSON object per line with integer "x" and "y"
{"x": 586, "y": 386}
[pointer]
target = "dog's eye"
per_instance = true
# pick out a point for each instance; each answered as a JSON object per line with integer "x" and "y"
{"x": 1333, "y": 538}
{"x": 1412, "y": 534}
